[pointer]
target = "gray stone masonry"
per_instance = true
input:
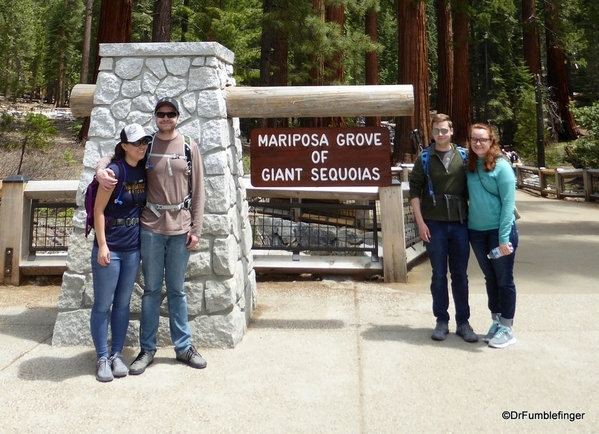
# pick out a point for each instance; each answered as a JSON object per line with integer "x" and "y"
{"x": 220, "y": 280}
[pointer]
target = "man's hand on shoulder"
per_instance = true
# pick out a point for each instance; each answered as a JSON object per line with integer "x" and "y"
{"x": 106, "y": 178}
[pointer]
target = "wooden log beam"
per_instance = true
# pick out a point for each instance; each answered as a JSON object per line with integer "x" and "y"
{"x": 320, "y": 101}
{"x": 82, "y": 99}
{"x": 294, "y": 101}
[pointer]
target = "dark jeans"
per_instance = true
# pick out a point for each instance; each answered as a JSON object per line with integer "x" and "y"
{"x": 449, "y": 244}
{"x": 499, "y": 273}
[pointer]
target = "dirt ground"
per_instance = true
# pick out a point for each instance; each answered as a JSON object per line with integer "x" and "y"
{"x": 63, "y": 159}
{"x": 35, "y": 292}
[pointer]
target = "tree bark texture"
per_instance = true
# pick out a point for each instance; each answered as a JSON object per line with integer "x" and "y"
{"x": 557, "y": 77}
{"x": 372, "y": 60}
{"x": 412, "y": 69}
{"x": 532, "y": 54}
{"x": 87, "y": 33}
{"x": 336, "y": 15}
{"x": 445, "y": 58}
{"x": 317, "y": 69}
{"x": 161, "y": 24}
{"x": 461, "y": 114}
{"x": 114, "y": 26}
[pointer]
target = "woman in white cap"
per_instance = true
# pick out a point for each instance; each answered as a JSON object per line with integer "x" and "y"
{"x": 116, "y": 253}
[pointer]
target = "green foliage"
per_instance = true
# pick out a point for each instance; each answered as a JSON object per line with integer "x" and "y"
{"x": 19, "y": 25}
{"x": 585, "y": 151}
{"x": 525, "y": 137}
{"x": 35, "y": 133}
{"x": 62, "y": 55}
{"x": 69, "y": 157}
{"x": 246, "y": 164}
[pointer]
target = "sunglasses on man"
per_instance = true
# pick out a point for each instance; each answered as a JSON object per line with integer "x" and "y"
{"x": 437, "y": 131}
{"x": 170, "y": 115}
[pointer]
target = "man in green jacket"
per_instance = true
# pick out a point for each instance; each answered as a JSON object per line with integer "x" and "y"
{"x": 438, "y": 194}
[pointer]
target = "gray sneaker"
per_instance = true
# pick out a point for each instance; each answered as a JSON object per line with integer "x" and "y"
{"x": 491, "y": 332}
{"x": 192, "y": 358}
{"x": 503, "y": 338}
{"x": 103, "y": 371}
{"x": 440, "y": 331}
{"x": 141, "y": 362}
{"x": 119, "y": 369}
{"x": 466, "y": 332}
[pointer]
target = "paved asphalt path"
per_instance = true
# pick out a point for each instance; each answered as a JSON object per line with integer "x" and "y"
{"x": 341, "y": 355}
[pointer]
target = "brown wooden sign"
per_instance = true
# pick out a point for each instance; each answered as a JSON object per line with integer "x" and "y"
{"x": 313, "y": 157}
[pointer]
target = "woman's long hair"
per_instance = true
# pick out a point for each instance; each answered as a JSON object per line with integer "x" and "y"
{"x": 494, "y": 151}
{"x": 119, "y": 152}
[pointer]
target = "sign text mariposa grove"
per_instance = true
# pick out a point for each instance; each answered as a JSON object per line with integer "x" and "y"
{"x": 313, "y": 157}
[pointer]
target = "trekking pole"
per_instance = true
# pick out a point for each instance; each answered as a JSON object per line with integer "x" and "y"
{"x": 416, "y": 141}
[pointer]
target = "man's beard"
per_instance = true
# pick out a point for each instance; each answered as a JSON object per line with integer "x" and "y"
{"x": 166, "y": 129}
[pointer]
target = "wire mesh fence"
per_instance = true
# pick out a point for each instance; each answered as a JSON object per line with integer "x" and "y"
{"x": 51, "y": 224}
{"x": 333, "y": 226}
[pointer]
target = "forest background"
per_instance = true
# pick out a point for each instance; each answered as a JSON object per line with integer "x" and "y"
{"x": 528, "y": 67}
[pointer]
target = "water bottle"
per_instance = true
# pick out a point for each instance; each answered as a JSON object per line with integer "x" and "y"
{"x": 495, "y": 253}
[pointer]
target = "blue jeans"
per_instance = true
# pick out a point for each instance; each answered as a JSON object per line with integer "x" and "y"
{"x": 449, "y": 243}
{"x": 499, "y": 273}
{"x": 113, "y": 285}
{"x": 164, "y": 257}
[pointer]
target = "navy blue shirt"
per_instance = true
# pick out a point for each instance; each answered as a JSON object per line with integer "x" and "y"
{"x": 132, "y": 199}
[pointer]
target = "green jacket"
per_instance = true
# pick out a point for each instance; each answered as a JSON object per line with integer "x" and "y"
{"x": 450, "y": 202}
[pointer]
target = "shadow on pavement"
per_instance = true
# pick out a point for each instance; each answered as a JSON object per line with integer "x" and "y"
{"x": 418, "y": 336}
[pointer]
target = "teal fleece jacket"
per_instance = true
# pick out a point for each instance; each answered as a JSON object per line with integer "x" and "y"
{"x": 492, "y": 199}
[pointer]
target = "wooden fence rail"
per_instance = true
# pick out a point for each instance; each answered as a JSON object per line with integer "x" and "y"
{"x": 582, "y": 183}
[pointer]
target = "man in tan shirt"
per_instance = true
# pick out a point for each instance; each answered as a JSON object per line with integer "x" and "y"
{"x": 171, "y": 226}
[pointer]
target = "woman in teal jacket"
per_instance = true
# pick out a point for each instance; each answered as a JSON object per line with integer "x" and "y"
{"x": 491, "y": 223}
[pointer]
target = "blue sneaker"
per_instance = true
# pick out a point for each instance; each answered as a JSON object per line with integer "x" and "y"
{"x": 491, "y": 332}
{"x": 503, "y": 338}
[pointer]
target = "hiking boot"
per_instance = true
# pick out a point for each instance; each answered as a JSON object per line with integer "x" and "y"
{"x": 466, "y": 332}
{"x": 492, "y": 331}
{"x": 503, "y": 338}
{"x": 103, "y": 372}
{"x": 440, "y": 331}
{"x": 192, "y": 358}
{"x": 119, "y": 369}
{"x": 141, "y": 362}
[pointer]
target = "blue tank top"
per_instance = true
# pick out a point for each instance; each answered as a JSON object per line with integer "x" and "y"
{"x": 123, "y": 238}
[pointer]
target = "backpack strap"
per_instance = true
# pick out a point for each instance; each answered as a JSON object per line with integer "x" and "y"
{"x": 464, "y": 153}
{"x": 122, "y": 178}
{"x": 425, "y": 157}
{"x": 186, "y": 155}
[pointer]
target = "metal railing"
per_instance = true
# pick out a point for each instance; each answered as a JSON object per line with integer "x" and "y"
{"x": 314, "y": 226}
{"x": 50, "y": 226}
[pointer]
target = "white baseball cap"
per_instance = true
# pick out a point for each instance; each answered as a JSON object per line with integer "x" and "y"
{"x": 132, "y": 133}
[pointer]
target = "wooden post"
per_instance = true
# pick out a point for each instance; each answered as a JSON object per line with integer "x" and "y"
{"x": 294, "y": 101}
{"x": 395, "y": 264}
{"x": 14, "y": 227}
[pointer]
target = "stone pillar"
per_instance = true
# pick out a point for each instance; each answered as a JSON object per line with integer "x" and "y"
{"x": 220, "y": 280}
